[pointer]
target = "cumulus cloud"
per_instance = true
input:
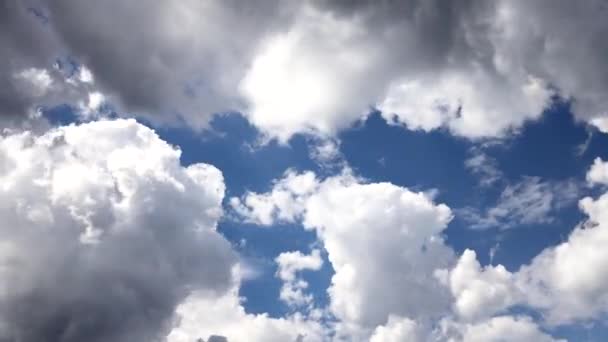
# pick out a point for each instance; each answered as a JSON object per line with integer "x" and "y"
{"x": 476, "y": 68}
{"x": 397, "y": 329}
{"x": 563, "y": 281}
{"x": 598, "y": 174}
{"x": 395, "y": 277}
{"x": 479, "y": 291}
{"x": 104, "y": 233}
{"x": 202, "y": 316}
{"x": 370, "y": 232}
{"x": 516, "y": 329}
{"x": 285, "y": 201}
{"x": 289, "y": 265}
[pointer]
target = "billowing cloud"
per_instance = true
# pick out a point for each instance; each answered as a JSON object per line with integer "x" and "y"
{"x": 480, "y": 292}
{"x": 395, "y": 279}
{"x": 564, "y": 280}
{"x": 516, "y": 329}
{"x": 203, "y": 316}
{"x": 104, "y": 233}
{"x": 475, "y": 68}
{"x": 370, "y": 232}
{"x": 598, "y": 174}
{"x": 289, "y": 265}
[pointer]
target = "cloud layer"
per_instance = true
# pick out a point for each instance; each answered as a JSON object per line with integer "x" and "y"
{"x": 476, "y": 68}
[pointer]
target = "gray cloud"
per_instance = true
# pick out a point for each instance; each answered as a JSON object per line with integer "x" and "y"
{"x": 99, "y": 241}
{"x": 475, "y": 67}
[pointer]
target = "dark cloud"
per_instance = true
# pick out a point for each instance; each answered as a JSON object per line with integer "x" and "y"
{"x": 182, "y": 62}
{"x": 24, "y": 44}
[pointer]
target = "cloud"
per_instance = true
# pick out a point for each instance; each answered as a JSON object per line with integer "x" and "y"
{"x": 518, "y": 329}
{"x": 486, "y": 167}
{"x": 202, "y": 316}
{"x": 104, "y": 233}
{"x": 382, "y": 239}
{"x": 598, "y": 174}
{"x": 285, "y": 202}
{"x": 371, "y": 231}
{"x": 397, "y": 329}
{"x": 289, "y": 264}
{"x": 562, "y": 282}
{"x": 529, "y": 201}
{"x": 479, "y": 291}
{"x": 475, "y": 68}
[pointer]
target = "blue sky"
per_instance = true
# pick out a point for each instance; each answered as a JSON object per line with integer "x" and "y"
{"x": 303, "y": 171}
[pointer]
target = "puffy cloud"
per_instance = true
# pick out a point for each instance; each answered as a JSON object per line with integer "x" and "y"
{"x": 480, "y": 292}
{"x": 598, "y": 174}
{"x": 159, "y": 68}
{"x": 397, "y": 329}
{"x": 478, "y": 69}
{"x": 565, "y": 45}
{"x": 473, "y": 103}
{"x": 104, "y": 233}
{"x": 379, "y": 231}
{"x": 202, "y": 316}
{"x": 516, "y": 329}
{"x": 564, "y": 280}
{"x": 289, "y": 264}
{"x": 311, "y": 77}
{"x": 285, "y": 202}
{"x": 371, "y": 232}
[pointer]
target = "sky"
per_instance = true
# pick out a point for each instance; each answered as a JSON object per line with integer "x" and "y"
{"x": 303, "y": 171}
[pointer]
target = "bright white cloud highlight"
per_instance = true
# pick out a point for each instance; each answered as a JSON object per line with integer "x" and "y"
{"x": 104, "y": 233}
{"x": 373, "y": 232}
{"x": 289, "y": 265}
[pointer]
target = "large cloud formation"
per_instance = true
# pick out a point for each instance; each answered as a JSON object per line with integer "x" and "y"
{"x": 396, "y": 279}
{"x": 474, "y": 67}
{"x": 104, "y": 233}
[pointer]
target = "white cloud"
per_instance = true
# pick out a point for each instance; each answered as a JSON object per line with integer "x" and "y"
{"x": 371, "y": 232}
{"x": 472, "y": 103}
{"x": 564, "y": 280}
{"x": 203, "y": 316}
{"x": 397, "y": 329}
{"x": 497, "y": 329}
{"x": 529, "y": 201}
{"x": 289, "y": 264}
{"x": 104, "y": 233}
{"x": 310, "y": 78}
{"x": 392, "y": 268}
{"x": 480, "y": 291}
{"x": 285, "y": 202}
{"x": 478, "y": 69}
{"x": 598, "y": 174}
